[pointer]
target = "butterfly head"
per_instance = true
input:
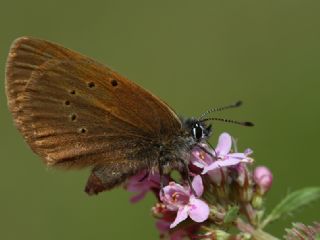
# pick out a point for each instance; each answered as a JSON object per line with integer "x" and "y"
{"x": 200, "y": 130}
{"x": 197, "y": 129}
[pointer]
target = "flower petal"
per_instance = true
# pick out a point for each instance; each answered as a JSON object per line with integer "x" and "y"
{"x": 138, "y": 197}
{"x": 182, "y": 215}
{"x": 242, "y": 157}
{"x": 178, "y": 235}
{"x": 198, "y": 162}
{"x": 135, "y": 184}
{"x": 248, "y": 151}
{"x": 197, "y": 185}
{"x": 199, "y": 210}
{"x": 162, "y": 225}
{"x": 237, "y": 155}
{"x": 199, "y": 158}
{"x": 170, "y": 189}
{"x": 222, "y": 163}
{"x": 224, "y": 144}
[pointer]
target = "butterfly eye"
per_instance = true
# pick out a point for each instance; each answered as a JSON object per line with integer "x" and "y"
{"x": 197, "y": 131}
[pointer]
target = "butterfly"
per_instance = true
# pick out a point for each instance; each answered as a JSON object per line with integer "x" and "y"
{"x": 75, "y": 112}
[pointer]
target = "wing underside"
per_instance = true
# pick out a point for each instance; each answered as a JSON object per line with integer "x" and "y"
{"x": 75, "y": 112}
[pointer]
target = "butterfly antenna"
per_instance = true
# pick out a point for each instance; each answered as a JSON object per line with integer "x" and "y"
{"x": 247, "y": 124}
{"x": 218, "y": 109}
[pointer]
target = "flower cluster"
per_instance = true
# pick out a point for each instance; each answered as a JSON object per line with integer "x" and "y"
{"x": 224, "y": 193}
{"x": 301, "y": 231}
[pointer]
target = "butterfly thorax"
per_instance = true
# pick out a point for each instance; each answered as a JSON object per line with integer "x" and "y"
{"x": 176, "y": 151}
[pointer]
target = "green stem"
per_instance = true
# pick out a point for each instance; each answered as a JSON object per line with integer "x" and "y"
{"x": 257, "y": 234}
{"x": 265, "y": 222}
{"x": 262, "y": 235}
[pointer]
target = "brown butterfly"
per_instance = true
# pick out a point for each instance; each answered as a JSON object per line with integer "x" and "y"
{"x": 74, "y": 112}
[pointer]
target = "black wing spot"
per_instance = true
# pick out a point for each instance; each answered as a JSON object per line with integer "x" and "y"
{"x": 82, "y": 130}
{"x": 73, "y": 92}
{"x": 91, "y": 85}
{"x": 114, "y": 82}
{"x": 67, "y": 102}
{"x": 73, "y": 117}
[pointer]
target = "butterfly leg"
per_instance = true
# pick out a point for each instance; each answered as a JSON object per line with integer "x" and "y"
{"x": 206, "y": 151}
{"x": 185, "y": 173}
{"x": 160, "y": 169}
{"x": 214, "y": 150}
{"x": 144, "y": 177}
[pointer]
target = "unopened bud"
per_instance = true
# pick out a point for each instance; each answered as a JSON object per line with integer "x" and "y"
{"x": 257, "y": 202}
{"x": 244, "y": 183}
{"x": 219, "y": 176}
{"x": 262, "y": 176}
{"x": 220, "y": 235}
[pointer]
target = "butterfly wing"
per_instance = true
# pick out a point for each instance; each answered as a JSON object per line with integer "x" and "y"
{"x": 75, "y": 112}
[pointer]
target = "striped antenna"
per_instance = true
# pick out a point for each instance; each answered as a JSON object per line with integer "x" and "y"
{"x": 218, "y": 109}
{"x": 247, "y": 124}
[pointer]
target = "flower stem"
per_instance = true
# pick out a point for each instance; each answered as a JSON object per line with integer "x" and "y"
{"x": 251, "y": 215}
{"x": 262, "y": 235}
{"x": 257, "y": 234}
{"x": 244, "y": 227}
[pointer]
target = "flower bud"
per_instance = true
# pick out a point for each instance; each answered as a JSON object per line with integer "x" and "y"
{"x": 219, "y": 176}
{"x": 262, "y": 176}
{"x": 302, "y": 231}
{"x": 257, "y": 202}
{"x": 220, "y": 235}
{"x": 158, "y": 210}
{"x": 243, "y": 180}
{"x": 243, "y": 176}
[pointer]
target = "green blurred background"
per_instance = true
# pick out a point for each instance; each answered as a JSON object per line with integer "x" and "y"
{"x": 194, "y": 55}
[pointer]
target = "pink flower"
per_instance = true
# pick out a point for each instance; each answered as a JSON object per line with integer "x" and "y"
{"x": 263, "y": 178}
{"x": 142, "y": 183}
{"x": 184, "y": 232}
{"x": 167, "y": 217}
{"x": 181, "y": 199}
{"x": 221, "y": 156}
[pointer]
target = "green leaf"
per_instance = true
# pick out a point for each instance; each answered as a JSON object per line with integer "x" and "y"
{"x": 292, "y": 202}
{"x": 231, "y": 214}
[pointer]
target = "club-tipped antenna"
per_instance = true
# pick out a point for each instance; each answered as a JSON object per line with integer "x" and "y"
{"x": 247, "y": 124}
{"x": 218, "y": 109}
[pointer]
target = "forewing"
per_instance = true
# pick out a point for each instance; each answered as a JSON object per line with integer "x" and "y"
{"x": 74, "y": 111}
